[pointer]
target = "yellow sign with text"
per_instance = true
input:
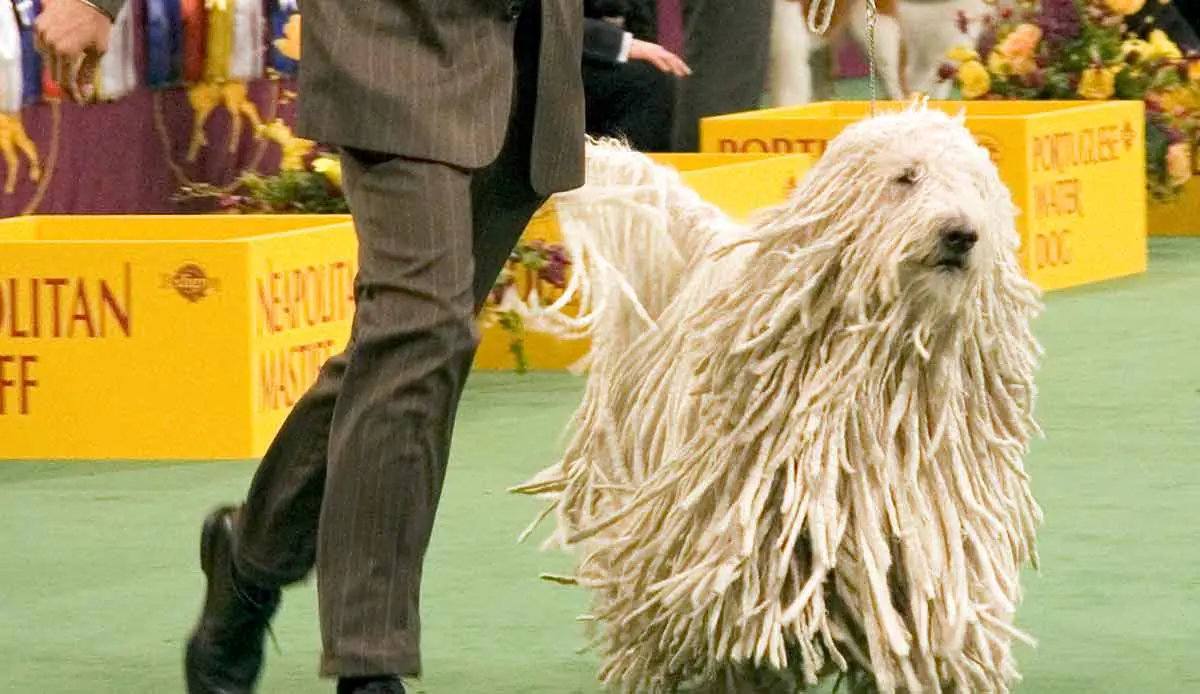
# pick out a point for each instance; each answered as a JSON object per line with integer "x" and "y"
{"x": 192, "y": 337}
{"x": 163, "y": 337}
{"x": 1075, "y": 169}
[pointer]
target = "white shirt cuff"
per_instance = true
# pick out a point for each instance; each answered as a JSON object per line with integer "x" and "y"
{"x": 626, "y": 46}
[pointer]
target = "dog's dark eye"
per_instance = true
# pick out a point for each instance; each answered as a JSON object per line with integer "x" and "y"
{"x": 907, "y": 177}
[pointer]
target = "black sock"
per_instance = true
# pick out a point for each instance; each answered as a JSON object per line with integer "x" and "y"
{"x": 353, "y": 685}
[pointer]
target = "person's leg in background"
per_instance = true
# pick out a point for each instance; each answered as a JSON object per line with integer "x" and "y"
{"x": 271, "y": 542}
{"x": 634, "y": 100}
{"x": 728, "y": 47}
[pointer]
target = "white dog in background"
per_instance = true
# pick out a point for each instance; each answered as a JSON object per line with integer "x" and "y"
{"x": 911, "y": 41}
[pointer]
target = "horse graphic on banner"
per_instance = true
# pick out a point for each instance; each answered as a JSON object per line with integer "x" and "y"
{"x": 205, "y": 97}
{"x": 14, "y": 142}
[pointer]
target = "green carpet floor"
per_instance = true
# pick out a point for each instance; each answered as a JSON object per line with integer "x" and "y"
{"x": 99, "y": 579}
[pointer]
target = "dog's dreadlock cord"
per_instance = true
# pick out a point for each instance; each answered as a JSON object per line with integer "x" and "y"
{"x": 827, "y": 17}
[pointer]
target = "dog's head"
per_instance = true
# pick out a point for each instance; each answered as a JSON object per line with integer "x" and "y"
{"x": 913, "y": 204}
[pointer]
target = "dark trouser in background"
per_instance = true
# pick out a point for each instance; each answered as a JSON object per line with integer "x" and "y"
{"x": 634, "y": 100}
{"x": 353, "y": 479}
{"x": 729, "y": 51}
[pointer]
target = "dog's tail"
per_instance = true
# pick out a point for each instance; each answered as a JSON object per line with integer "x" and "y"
{"x": 632, "y": 232}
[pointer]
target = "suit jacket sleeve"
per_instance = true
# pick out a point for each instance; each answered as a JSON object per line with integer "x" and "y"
{"x": 605, "y": 42}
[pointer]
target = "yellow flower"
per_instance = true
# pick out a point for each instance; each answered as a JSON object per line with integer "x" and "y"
{"x": 289, "y": 45}
{"x": 1125, "y": 7}
{"x": 330, "y": 167}
{"x": 292, "y": 149}
{"x": 961, "y": 54}
{"x": 973, "y": 79}
{"x": 1179, "y": 163}
{"x": 1097, "y": 83}
{"x": 997, "y": 63}
{"x": 1162, "y": 47}
{"x": 1181, "y": 98}
{"x": 1193, "y": 70}
{"x": 1136, "y": 47}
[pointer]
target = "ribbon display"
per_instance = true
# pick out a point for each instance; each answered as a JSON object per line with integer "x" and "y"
{"x": 11, "y": 80}
{"x": 281, "y": 11}
{"x": 164, "y": 43}
{"x": 31, "y": 60}
{"x": 117, "y": 76}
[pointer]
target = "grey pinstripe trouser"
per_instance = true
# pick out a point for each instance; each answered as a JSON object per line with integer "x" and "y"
{"x": 352, "y": 481}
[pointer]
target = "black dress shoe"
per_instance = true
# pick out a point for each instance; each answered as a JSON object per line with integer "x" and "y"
{"x": 370, "y": 686}
{"x": 225, "y": 652}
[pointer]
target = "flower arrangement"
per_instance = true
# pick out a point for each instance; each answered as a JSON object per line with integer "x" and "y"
{"x": 312, "y": 187}
{"x": 1084, "y": 49}
{"x": 534, "y": 268}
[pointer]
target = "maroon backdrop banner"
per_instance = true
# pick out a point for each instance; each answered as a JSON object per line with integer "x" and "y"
{"x": 134, "y": 155}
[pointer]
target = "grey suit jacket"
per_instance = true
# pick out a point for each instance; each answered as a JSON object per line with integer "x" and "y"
{"x": 433, "y": 79}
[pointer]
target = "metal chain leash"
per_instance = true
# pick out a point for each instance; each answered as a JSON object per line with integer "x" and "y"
{"x": 827, "y": 17}
{"x": 872, "y": 15}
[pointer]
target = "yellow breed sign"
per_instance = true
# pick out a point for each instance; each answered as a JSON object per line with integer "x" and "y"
{"x": 1075, "y": 169}
{"x": 164, "y": 337}
{"x": 192, "y": 337}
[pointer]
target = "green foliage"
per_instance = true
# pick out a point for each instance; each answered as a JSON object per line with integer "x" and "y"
{"x": 295, "y": 192}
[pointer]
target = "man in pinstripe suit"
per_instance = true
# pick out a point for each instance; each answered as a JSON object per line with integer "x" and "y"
{"x": 457, "y": 119}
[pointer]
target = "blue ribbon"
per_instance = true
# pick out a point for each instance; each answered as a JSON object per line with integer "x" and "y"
{"x": 31, "y": 60}
{"x": 281, "y": 11}
{"x": 164, "y": 43}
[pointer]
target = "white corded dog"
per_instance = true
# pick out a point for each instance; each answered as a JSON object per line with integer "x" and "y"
{"x": 799, "y": 454}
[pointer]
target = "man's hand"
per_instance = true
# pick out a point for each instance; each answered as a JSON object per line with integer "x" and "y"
{"x": 657, "y": 55}
{"x": 73, "y": 35}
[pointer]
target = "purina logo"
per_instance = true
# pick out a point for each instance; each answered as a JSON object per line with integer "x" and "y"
{"x": 191, "y": 282}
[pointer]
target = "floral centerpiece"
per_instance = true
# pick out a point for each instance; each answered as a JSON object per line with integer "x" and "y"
{"x": 306, "y": 183}
{"x": 534, "y": 270}
{"x": 1084, "y": 49}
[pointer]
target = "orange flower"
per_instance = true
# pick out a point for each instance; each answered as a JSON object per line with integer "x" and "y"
{"x": 289, "y": 45}
{"x": 1015, "y": 55}
{"x": 1022, "y": 41}
{"x": 1193, "y": 71}
{"x": 1125, "y": 7}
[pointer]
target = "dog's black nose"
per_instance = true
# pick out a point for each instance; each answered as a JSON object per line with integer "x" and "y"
{"x": 959, "y": 240}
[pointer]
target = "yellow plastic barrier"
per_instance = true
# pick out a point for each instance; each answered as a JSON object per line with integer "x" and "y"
{"x": 1179, "y": 217}
{"x": 191, "y": 337}
{"x": 164, "y": 337}
{"x": 1076, "y": 170}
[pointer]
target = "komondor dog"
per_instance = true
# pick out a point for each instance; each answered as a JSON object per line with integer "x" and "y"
{"x": 799, "y": 453}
